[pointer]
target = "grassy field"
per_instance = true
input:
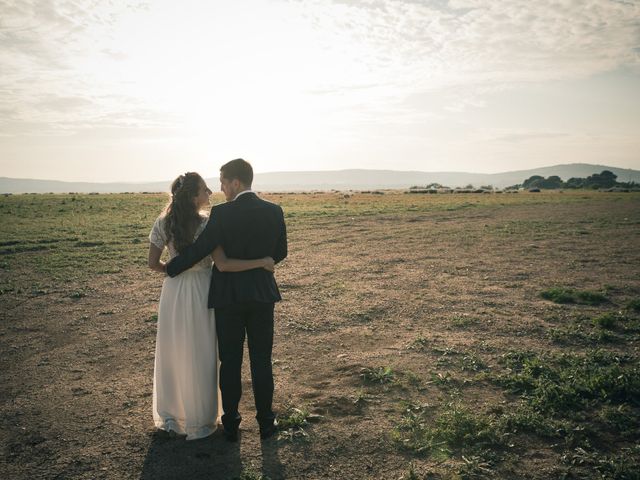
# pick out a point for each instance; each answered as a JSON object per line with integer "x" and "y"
{"x": 420, "y": 336}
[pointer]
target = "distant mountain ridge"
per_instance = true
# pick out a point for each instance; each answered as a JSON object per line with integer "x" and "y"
{"x": 353, "y": 179}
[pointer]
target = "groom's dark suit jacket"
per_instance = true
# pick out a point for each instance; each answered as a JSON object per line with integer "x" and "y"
{"x": 246, "y": 228}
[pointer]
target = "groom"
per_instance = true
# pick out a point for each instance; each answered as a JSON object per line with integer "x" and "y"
{"x": 246, "y": 227}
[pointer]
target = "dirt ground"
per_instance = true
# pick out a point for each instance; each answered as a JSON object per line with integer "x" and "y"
{"x": 358, "y": 291}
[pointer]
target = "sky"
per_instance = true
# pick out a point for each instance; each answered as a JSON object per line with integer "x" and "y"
{"x": 146, "y": 90}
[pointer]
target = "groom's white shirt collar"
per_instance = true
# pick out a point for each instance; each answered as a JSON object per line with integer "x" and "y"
{"x": 243, "y": 192}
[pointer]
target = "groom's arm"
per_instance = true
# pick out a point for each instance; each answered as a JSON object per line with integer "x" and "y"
{"x": 208, "y": 240}
{"x": 281, "y": 247}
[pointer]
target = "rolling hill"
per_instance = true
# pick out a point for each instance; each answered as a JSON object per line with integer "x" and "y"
{"x": 354, "y": 179}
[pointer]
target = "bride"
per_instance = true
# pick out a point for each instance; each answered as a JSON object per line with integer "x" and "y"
{"x": 186, "y": 397}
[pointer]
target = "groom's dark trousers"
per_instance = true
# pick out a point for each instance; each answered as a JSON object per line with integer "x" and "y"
{"x": 231, "y": 324}
{"x": 246, "y": 228}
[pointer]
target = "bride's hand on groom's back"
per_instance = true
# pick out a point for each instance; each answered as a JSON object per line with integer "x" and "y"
{"x": 269, "y": 264}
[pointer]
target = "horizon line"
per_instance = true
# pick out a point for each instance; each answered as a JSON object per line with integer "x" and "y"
{"x": 329, "y": 171}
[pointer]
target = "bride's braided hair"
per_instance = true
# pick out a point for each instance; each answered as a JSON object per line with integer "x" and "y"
{"x": 181, "y": 215}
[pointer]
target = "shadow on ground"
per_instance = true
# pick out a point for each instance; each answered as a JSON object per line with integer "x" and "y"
{"x": 211, "y": 458}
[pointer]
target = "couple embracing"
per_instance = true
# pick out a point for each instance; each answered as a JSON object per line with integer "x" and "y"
{"x": 206, "y": 311}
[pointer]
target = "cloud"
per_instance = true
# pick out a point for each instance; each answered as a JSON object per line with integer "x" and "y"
{"x": 46, "y": 48}
{"x": 64, "y": 104}
{"x": 532, "y": 136}
{"x": 67, "y": 63}
{"x": 115, "y": 54}
{"x": 426, "y": 45}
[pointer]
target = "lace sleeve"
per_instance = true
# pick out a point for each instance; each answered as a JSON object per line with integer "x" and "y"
{"x": 157, "y": 235}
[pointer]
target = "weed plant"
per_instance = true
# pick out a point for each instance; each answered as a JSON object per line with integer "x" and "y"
{"x": 378, "y": 375}
{"x": 293, "y": 418}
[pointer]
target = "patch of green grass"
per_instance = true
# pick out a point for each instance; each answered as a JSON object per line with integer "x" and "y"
{"x": 445, "y": 380}
{"x": 446, "y": 351}
{"x": 591, "y": 298}
{"x": 463, "y": 321}
{"x": 631, "y": 326}
{"x": 366, "y": 315}
{"x": 378, "y": 375}
{"x": 455, "y": 429}
{"x": 413, "y": 379}
{"x": 622, "y": 419}
{"x": 524, "y": 419}
{"x": 606, "y": 321}
{"x": 303, "y": 326}
{"x": 569, "y": 383}
{"x": 610, "y": 327}
{"x": 249, "y": 473}
{"x": 471, "y": 362}
{"x": 608, "y": 288}
{"x": 76, "y": 243}
{"x": 576, "y": 334}
{"x": 420, "y": 343}
{"x": 558, "y": 295}
{"x": 411, "y": 473}
{"x": 474, "y": 466}
{"x": 481, "y": 439}
{"x": 360, "y": 399}
{"x": 622, "y": 465}
{"x": 634, "y": 305}
{"x": 106, "y": 271}
{"x": 568, "y": 295}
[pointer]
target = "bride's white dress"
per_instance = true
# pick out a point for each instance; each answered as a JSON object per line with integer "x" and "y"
{"x": 186, "y": 397}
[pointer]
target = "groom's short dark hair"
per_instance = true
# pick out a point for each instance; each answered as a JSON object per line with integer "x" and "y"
{"x": 238, "y": 169}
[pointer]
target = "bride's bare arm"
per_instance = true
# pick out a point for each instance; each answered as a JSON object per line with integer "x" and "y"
{"x": 225, "y": 264}
{"x": 154, "y": 259}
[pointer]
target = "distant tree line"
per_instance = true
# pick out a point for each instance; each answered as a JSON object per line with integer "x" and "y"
{"x": 604, "y": 179}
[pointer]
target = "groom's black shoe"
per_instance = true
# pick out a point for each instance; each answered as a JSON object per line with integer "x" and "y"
{"x": 231, "y": 435}
{"x": 268, "y": 430}
{"x": 231, "y": 423}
